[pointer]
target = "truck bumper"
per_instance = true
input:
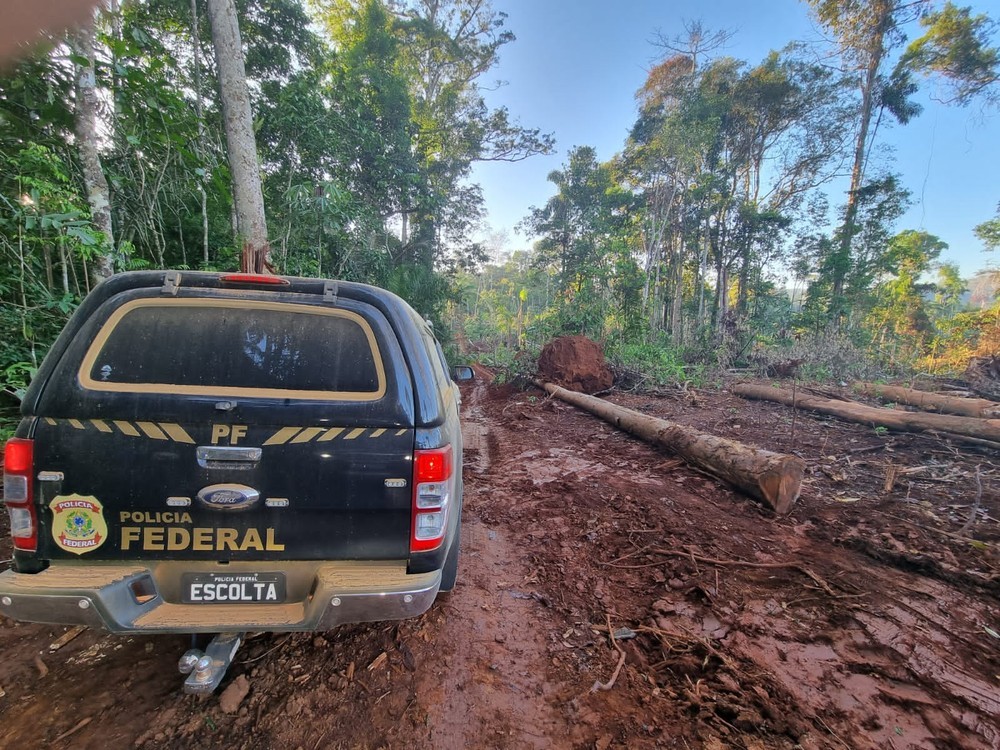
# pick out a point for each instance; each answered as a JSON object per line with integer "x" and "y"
{"x": 129, "y": 598}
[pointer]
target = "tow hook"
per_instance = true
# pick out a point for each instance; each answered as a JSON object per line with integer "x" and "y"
{"x": 205, "y": 669}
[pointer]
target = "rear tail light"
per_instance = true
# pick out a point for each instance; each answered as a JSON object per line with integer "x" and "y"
{"x": 432, "y": 489}
{"x": 18, "y": 463}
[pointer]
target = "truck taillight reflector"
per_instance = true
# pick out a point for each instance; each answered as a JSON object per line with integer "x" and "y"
{"x": 433, "y": 466}
{"x": 18, "y": 463}
{"x": 432, "y": 489}
{"x": 18, "y": 455}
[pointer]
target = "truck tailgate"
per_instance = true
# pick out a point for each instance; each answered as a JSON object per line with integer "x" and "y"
{"x": 122, "y": 489}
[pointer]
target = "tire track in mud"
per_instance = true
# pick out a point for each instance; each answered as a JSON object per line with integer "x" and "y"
{"x": 495, "y": 693}
{"x": 898, "y": 660}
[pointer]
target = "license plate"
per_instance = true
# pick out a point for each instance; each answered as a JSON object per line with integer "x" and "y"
{"x": 233, "y": 588}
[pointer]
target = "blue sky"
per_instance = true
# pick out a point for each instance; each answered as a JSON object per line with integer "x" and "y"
{"x": 576, "y": 65}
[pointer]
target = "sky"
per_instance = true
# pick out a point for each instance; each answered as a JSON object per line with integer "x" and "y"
{"x": 576, "y": 64}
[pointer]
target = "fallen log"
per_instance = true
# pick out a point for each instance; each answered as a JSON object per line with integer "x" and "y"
{"x": 979, "y": 408}
{"x": 772, "y": 478}
{"x": 851, "y": 411}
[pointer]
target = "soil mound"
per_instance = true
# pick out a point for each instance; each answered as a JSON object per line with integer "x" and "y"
{"x": 576, "y": 363}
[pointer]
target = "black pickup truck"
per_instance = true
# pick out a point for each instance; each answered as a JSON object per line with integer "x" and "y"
{"x": 217, "y": 453}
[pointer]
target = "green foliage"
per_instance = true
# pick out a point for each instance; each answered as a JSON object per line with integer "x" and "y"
{"x": 359, "y": 131}
{"x": 582, "y": 229}
{"x": 669, "y": 253}
{"x": 900, "y": 316}
{"x": 425, "y": 290}
{"x": 956, "y": 46}
{"x": 516, "y": 366}
{"x": 989, "y": 232}
{"x": 652, "y": 365}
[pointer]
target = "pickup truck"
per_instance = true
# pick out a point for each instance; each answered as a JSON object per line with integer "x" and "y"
{"x": 218, "y": 453}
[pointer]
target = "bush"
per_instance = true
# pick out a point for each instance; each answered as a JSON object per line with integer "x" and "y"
{"x": 516, "y": 366}
{"x": 640, "y": 365}
{"x": 825, "y": 357}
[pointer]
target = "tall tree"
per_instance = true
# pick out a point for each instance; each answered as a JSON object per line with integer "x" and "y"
{"x": 86, "y": 127}
{"x": 581, "y": 235}
{"x": 248, "y": 196}
{"x": 448, "y": 46}
{"x": 866, "y": 32}
{"x": 723, "y": 156}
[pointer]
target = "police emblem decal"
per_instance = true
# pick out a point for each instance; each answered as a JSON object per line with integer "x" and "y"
{"x": 78, "y": 524}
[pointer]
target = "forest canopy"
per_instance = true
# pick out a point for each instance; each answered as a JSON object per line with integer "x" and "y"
{"x": 367, "y": 116}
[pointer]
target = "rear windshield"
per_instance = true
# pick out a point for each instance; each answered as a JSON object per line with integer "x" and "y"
{"x": 239, "y": 347}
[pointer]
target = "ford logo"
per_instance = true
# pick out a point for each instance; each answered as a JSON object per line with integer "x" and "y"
{"x": 228, "y": 497}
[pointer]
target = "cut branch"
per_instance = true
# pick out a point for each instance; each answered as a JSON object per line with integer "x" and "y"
{"x": 851, "y": 411}
{"x": 934, "y": 402}
{"x": 773, "y": 478}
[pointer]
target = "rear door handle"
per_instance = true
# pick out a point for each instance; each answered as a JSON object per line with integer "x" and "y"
{"x": 227, "y": 457}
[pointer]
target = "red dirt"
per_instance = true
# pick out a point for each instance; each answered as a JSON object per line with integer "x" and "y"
{"x": 866, "y": 622}
{"x": 576, "y": 363}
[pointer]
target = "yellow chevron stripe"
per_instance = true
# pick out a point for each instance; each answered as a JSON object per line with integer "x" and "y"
{"x": 126, "y": 428}
{"x": 101, "y": 425}
{"x": 51, "y": 421}
{"x": 177, "y": 433}
{"x": 282, "y": 436}
{"x": 330, "y": 434}
{"x": 308, "y": 434}
{"x": 355, "y": 433}
{"x": 77, "y": 424}
{"x": 400, "y": 433}
{"x": 152, "y": 430}
{"x": 377, "y": 433}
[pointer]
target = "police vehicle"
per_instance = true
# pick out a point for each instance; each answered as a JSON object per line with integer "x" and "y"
{"x": 222, "y": 453}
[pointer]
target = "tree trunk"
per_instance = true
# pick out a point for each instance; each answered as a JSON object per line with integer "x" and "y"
{"x": 851, "y": 411}
{"x": 248, "y": 197}
{"x": 965, "y": 407}
{"x": 677, "y": 301}
{"x": 773, "y": 478}
{"x": 840, "y": 264}
{"x": 86, "y": 131}
{"x": 199, "y": 114}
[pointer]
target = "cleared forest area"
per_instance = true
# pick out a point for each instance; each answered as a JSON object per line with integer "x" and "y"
{"x": 864, "y": 618}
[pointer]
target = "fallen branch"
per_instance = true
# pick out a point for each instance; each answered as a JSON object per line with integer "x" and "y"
{"x": 76, "y": 728}
{"x": 773, "y": 478}
{"x": 689, "y": 555}
{"x": 935, "y": 402}
{"x": 851, "y": 411}
{"x": 930, "y": 529}
{"x": 990, "y": 444}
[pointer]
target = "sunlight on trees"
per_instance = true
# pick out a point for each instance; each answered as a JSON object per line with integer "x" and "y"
{"x": 705, "y": 242}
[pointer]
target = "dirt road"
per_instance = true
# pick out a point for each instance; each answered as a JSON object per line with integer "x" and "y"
{"x": 862, "y": 620}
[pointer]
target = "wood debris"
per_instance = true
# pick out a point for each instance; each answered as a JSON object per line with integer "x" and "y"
{"x": 378, "y": 661}
{"x": 66, "y": 637}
